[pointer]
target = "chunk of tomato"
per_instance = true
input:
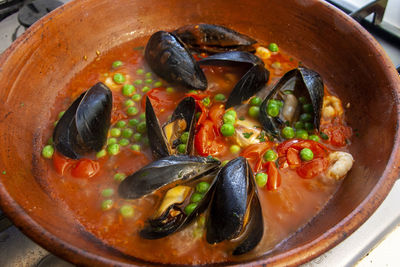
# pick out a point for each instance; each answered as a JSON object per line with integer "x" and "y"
{"x": 60, "y": 163}
{"x": 85, "y": 168}
{"x": 254, "y": 154}
{"x": 207, "y": 142}
{"x": 274, "y": 178}
{"x": 312, "y": 168}
{"x": 293, "y": 157}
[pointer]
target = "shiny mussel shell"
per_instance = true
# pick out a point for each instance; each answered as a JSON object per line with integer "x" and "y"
{"x": 168, "y": 57}
{"x": 83, "y": 127}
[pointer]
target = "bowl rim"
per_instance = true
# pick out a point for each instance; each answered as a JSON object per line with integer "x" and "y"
{"x": 295, "y": 256}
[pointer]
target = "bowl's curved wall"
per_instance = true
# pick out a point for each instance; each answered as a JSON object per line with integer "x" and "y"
{"x": 42, "y": 61}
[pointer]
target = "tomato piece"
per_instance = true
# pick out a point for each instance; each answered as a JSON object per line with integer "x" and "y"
{"x": 274, "y": 178}
{"x": 216, "y": 114}
{"x": 204, "y": 113}
{"x": 284, "y": 146}
{"x": 318, "y": 149}
{"x": 293, "y": 157}
{"x": 85, "y": 168}
{"x": 207, "y": 142}
{"x": 60, "y": 163}
{"x": 162, "y": 100}
{"x": 254, "y": 154}
{"x": 312, "y": 168}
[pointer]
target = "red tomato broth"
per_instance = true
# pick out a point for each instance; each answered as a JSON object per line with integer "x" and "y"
{"x": 285, "y": 209}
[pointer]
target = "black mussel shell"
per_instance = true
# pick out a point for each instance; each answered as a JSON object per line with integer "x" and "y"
{"x": 165, "y": 171}
{"x": 214, "y": 38}
{"x": 83, "y": 127}
{"x": 168, "y": 57}
{"x": 159, "y": 144}
{"x": 302, "y": 82}
{"x": 252, "y": 81}
{"x": 235, "y": 192}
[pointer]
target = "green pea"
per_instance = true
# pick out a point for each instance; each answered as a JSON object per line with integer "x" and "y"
{"x": 139, "y": 71}
{"x": 146, "y": 141}
{"x": 273, "y": 109}
{"x": 190, "y": 208}
{"x": 170, "y": 90}
{"x": 149, "y": 81}
{"x": 128, "y": 89}
{"x": 127, "y": 211}
{"x": 261, "y": 179}
{"x": 101, "y": 153}
{"x": 181, "y": 148}
{"x": 135, "y": 147}
{"x": 306, "y": 117}
{"x": 229, "y": 119}
{"x": 193, "y": 92}
{"x": 270, "y": 155}
{"x": 306, "y": 154}
{"x": 129, "y": 103}
{"x": 136, "y": 97}
{"x": 308, "y": 108}
{"x": 107, "y": 204}
{"x": 108, "y": 192}
{"x": 234, "y": 149}
{"x": 137, "y": 137}
{"x": 142, "y": 116}
{"x": 145, "y": 89}
{"x": 227, "y": 129}
{"x": 254, "y": 111}
{"x": 232, "y": 112}
{"x": 184, "y": 137}
{"x": 117, "y": 64}
{"x": 256, "y": 101}
{"x": 308, "y": 126}
{"x": 219, "y": 97}
{"x": 196, "y": 197}
{"x": 123, "y": 142}
{"x": 121, "y": 124}
{"x": 119, "y": 78}
{"x": 115, "y": 132}
{"x": 273, "y": 47}
{"x": 119, "y": 176}
{"x": 314, "y": 138}
{"x": 127, "y": 133}
{"x": 206, "y": 101}
{"x": 132, "y": 111}
{"x": 133, "y": 122}
{"x": 303, "y": 100}
{"x": 141, "y": 127}
{"x": 48, "y": 151}
{"x": 60, "y": 114}
{"x": 55, "y": 123}
{"x": 157, "y": 84}
{"x": 111, "y": 141}
{"x": 202, "y": 187}
{"x": 324, "y": 135}
{"x": 138, "y": 82}
{"x": 302, "y": 134}
{"x": 299, "y": 125}
{"x": 148, "y": 75}
{"x": 288, "y": 132}
{"x": 113, "y": 149}
{"x": 224, "y": 163}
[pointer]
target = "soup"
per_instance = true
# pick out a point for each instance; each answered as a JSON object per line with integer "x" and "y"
{"x": 295, "y": 172}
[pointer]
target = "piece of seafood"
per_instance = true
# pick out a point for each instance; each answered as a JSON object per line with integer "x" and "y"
{"x": 168, "y": 57}
{"x": 251, "y": 82}
{"x": 83, "y": 127}
{"x": 165, "y": 140}
{"x": 294, "y": 85}
{"x": 214, "y": 38}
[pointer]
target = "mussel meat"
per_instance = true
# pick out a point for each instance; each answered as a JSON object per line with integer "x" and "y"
{"x": 214, "y": 38}
{"x": 83, "y": 127}
{"x": 165, "y": 140}
{"x": 165, "y": 171}
{"x": 169, "y": 58}
{"x": 296, "y": 88}
{"x": 235, "y": 210}
{"x": 251, "y": 82}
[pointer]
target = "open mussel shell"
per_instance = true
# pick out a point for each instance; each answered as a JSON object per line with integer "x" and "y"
{"x": 164, "y": 140}
{"x": 235, "y": 211}
{"x": 300, "y": 82}
{"x": 174, "y": 217}
{"x": 214, "y": 38}
{"x": 168, "y": 57}
{"x": 252, "y": 81}
{"x": 83, "y": 127}
{"x": 165, "y": 171}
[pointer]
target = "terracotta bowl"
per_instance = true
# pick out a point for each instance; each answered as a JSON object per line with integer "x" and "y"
{"x": 41, "y": 62}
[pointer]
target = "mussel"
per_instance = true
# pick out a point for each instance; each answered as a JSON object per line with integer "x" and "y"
{"x": 165, "y": 140}
{"x": 165, "y": 171}
{"x": 83, "y": 127}
{"x": 251, "y": 82}
{"x": 296, "y": 87}
{"x": 235, "y": 210}
{"x": 214, "y": 38}
{"x": 169, "y": 58}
